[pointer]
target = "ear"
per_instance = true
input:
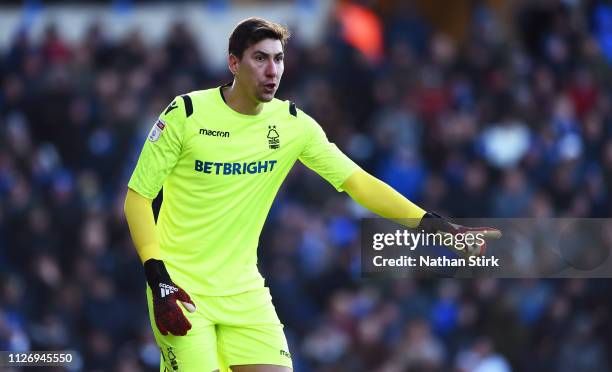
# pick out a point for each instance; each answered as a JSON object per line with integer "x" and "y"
{"x": 233, "y": 63}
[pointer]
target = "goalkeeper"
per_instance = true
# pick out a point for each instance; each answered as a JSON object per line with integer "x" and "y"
{"x": 221, "y": 155}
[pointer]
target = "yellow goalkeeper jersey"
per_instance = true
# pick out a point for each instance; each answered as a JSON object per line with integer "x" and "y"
{"x": 220, "y": 171}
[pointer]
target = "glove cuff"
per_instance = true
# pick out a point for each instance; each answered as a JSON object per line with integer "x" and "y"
{"x": 155, "y": 272}
{"x": 433, "y": 222}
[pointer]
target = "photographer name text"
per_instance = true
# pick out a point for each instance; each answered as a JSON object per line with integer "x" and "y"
{"x": 425, "y": 261}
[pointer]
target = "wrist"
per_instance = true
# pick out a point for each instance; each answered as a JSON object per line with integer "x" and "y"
{"x": 148, "y": 251}
{"x": 155, "y": 272}
{"x": 433, "y": 222}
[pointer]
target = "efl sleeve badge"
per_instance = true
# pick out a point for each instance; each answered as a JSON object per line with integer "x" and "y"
{"x": 156, "y": 131}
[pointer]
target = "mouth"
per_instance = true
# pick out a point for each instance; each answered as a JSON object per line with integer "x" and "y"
{"x": 269, "y": 87}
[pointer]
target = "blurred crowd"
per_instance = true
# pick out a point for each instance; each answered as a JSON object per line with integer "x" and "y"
{"x": 512, "y": 120}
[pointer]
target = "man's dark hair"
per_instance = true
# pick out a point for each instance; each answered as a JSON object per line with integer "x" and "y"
{"x": 253, "y": 30}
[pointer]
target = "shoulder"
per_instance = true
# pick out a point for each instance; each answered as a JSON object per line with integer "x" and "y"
{"x": 202, "y": 94}
{"x": 302, "y": 118}
{"x": 291, "y": 111}
{"x": 195, "y": 101}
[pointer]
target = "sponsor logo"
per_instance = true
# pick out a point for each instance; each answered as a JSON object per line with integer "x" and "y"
{"x": 156, "y": 130}
{"x": 273, "y": 137}
{"x": 227, "y": 169}
{"x": 214, "y": 133}
{"x": 285, "y": 354}
{"x": 172, "y": 359}
{"x": 166, "y": 290}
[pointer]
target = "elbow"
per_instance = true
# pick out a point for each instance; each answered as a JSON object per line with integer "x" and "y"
{"x": 135, "y": 201}
{"x": 132, "y": 200}
{"x": 354, "y": 185}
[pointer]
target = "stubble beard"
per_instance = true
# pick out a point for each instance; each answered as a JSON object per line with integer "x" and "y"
{"x": 263, "y": 97}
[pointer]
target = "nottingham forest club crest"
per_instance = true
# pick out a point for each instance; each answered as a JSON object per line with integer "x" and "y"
{"x": 273, "y": 137}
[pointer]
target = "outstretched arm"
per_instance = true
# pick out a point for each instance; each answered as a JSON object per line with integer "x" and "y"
{"x": 329, "y": 162}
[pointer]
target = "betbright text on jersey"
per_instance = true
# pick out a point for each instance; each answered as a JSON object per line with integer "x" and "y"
{"x": 220, "y": 171}
{"x": 234, "y": 168}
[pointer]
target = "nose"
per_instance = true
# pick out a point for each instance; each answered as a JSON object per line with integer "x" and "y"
{"x": 271, "y": 69}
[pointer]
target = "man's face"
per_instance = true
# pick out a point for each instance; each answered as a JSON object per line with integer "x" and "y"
{"x": 260, "y": 69}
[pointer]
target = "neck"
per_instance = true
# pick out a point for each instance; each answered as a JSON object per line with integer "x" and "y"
{"x": 238, "y": 101}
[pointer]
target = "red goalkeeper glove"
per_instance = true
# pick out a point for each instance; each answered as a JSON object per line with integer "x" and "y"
{"x": 434, "y": 223}
{"x": 168, "y": 315}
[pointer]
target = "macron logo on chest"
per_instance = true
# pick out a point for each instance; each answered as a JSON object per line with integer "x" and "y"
{"x": 214, "y": 133}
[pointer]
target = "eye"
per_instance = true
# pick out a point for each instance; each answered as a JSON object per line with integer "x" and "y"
{"x": 279, "y": 58}
{"x": 259, "y": 58}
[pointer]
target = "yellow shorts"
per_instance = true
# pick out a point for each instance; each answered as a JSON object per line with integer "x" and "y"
{"x": 226, "y": 331}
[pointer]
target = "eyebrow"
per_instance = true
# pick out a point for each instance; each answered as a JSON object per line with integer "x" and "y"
{"x": 267, "y": 54}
